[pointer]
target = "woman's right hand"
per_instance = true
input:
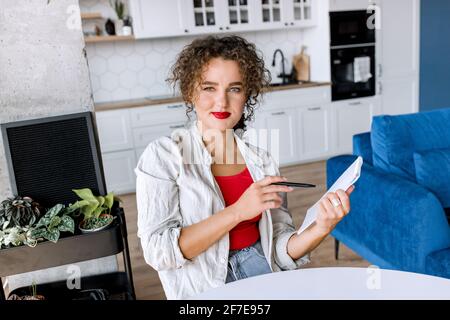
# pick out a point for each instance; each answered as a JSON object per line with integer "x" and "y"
{"x": 260, "y": 196}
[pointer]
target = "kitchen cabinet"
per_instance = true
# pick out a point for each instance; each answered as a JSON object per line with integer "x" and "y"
{"x": 398, "y": 44}
{"x": 274, "y": 14}
{"x": 313, "y": 131}
{"x": 119, "y": 171}
{"x": 125, "y": 133}
{"x": 209, "y": 16}
{"x": 300, "y": 13}
{"x": 276, "y": 132}
{"x": 143, "y": 136}
{"x": 297, "y": 125}
{"x": 114, "y": 130}
{"x": 154, "y": 18}
{"x": 352, "y": 117}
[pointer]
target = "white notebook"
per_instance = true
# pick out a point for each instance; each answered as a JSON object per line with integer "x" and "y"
{"x": 348, "y": 178}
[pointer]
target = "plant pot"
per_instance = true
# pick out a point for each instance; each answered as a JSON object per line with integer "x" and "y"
{"x": 83, "y": 230}
{"x": 118, "y": 24}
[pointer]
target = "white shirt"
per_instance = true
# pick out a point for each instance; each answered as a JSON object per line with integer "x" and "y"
{"x": 173, "y": 193}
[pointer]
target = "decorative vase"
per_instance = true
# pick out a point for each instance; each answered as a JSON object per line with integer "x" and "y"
{"x": 110, "y": 28}
{"x": 119, "y": 26}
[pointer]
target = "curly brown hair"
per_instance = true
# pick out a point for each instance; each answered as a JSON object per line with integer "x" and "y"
{"x": 188, "y": 69}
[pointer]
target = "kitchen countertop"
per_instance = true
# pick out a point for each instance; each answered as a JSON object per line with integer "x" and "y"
{"x": 143, "y": 102}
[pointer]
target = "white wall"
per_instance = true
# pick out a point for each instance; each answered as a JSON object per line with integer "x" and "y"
{"x": 43, "y": 66}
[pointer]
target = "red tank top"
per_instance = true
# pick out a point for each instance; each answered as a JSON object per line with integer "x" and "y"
{"x": 245, "y": 233}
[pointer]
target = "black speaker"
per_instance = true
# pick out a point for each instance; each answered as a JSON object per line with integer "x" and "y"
{"x": 49, "y": 157}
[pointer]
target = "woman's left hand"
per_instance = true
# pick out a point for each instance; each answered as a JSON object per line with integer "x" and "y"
{"x": 332, "y": 208}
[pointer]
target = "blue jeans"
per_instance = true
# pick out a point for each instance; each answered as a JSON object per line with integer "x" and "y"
{"x": 247, "y": 262}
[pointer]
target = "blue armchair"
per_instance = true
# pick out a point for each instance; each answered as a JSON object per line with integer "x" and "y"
{"x": 395, "y": 221}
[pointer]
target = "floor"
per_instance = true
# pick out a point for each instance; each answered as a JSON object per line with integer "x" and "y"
{"x": 146, "y": 281}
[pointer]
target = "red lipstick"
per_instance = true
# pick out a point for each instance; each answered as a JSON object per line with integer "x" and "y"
{"x": 221, "y": 115}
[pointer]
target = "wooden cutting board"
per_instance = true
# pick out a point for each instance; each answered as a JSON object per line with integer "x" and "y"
{"x": 301, "y": 63}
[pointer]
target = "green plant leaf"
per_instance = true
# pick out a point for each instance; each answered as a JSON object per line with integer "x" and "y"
{"x": 109, "y": 201}
{"x": 47, "y": 218}
{"x": 101, "y": 200}
{"x": 77, "y": 205}
{"x": 54, "y": 210}
{"x": 52, "y": 235}
{"x": 88, "y": 211}
{"x": 85, "y": 194}
{"x": 54, "y": 223}
{"x": 98, "y": 212}
{"x": 39, "y": 233}
{"x": 67, "y": 224}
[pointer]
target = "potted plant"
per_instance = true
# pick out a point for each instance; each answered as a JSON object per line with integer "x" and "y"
{"x": 33, "y": 296}
{"x": 19, "y": 212}
{"x": 56, "y": 220}
{"x": 95, "y": 210}
{"x": 17, "y": 236}
{"x": 119, "y": 8}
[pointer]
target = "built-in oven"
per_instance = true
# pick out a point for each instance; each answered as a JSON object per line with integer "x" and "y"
{"x": 352, "y": 52}
{"x": 352, "y": 72}
{"x": 351, "y": 27}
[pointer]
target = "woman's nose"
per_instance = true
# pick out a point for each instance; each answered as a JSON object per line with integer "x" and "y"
{"x": 221, "y": 99}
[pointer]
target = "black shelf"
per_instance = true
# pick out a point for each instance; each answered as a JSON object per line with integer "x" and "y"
{"x": 71, "y": 249}
{"x": 66, "y": 156}
{"x": 67, "y": 250}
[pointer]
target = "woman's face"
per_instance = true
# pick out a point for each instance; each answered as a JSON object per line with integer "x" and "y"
{"x": 219, "y": 99}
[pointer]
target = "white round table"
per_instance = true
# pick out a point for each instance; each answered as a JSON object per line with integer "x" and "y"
{"x": 333, "y": 283}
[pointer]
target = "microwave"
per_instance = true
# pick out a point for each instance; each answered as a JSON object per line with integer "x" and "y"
{"x": 351, "y": 27}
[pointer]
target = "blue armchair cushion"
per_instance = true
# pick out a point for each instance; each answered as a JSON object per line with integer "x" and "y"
{"x": 433, "y": 172}
{"x": 396, "y": 138}
{"x": 363, "y": 147}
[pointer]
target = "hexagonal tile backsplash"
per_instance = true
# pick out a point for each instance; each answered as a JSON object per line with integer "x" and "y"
{"x": 136, "y": 69}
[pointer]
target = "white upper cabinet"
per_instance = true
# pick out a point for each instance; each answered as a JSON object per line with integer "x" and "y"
{"x": 203, "y": 16}
{"x": 239, "y": 16}
{"x": 273, "y": 14}
{"x": 299, "y": 13}
{"x": 156, "y": 18}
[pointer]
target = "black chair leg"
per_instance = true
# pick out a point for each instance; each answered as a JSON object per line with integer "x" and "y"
{"x": 336, "y": 249}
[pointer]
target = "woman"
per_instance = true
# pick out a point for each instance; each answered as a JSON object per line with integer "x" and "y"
{"x": 207, "y": 210}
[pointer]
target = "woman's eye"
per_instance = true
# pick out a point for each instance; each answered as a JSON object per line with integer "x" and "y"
{"x": 235, "y": 89}
{"x": 208, "y": 89}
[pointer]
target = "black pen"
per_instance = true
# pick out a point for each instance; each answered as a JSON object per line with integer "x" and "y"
{"x": 295, "y": 184}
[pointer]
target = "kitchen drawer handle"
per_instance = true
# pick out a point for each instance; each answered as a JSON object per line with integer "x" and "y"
{"x": 278, "y": 113}
{"x": 314, "y": 109}
{"x": 175, "y": 106}
{"x": 177, "y": 126}
{"x": 355, "y": 103}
